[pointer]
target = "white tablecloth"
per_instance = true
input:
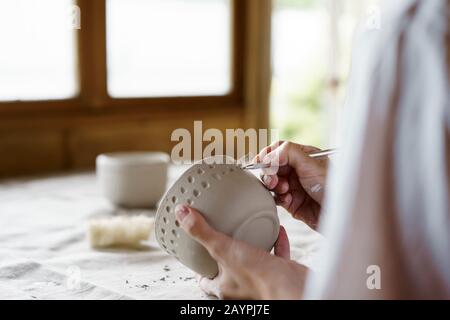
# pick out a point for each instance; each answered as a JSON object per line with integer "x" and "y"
{"x": 45, "y": 254}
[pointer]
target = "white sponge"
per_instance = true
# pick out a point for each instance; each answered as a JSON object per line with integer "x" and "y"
{"x": 124, "y": 231}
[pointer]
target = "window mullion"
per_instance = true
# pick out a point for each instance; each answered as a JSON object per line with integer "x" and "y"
{"x": 92, "y": 53}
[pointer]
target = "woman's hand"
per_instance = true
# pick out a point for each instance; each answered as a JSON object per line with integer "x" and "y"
{"x": 245, "y": 272}
{"x": 296, "y": 179}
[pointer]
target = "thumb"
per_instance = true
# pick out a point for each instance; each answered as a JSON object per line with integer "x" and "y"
{"x": 282, "y": 247}
{"x": 198, "y": 228}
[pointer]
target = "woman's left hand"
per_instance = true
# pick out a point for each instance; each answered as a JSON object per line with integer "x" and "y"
{"x": 245, "y": 272}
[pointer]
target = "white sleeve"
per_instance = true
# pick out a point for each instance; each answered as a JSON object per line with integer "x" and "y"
{"x": 387, "y": 215}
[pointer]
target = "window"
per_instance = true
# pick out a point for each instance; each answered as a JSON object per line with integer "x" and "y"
{"x": 160, "y": 48}
{"x": 132, "y": 73}
{"x": 127, "y": 53}
{"x": 38, "y": 50}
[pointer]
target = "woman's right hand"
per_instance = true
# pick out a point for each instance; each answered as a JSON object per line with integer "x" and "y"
{"x": 296, "y": 179}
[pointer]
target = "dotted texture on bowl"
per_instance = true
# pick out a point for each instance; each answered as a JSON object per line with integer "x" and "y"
{"x": 205, "y": 183}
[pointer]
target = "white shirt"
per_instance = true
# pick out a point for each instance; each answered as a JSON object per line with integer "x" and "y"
{"x": 387, "y": 213}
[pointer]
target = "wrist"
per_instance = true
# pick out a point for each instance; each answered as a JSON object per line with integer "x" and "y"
{"x": 287, "y": 284}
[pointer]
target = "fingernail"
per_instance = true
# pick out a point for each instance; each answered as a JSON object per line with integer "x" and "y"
{"x": 267, "y": 159}
{"x": 267, "y": 179}
{"x": 181, "y": 211}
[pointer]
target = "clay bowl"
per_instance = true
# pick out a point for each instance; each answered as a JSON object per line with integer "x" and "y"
{"x": 232, "y": 200}
{"x": 133, "y": 179}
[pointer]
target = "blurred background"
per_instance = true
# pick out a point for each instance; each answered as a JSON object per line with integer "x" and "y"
{"x": 312, "y": 45}
{"x": 78, "y": 78}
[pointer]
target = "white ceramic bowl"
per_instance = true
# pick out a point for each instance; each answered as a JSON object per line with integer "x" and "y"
{"x": 232, "y": 200}
{"x": 133, "y": 179}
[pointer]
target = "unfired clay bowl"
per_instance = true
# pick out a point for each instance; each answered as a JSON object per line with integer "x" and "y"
{"x": 133, "y": 179}
{"x": 232, "y": 200}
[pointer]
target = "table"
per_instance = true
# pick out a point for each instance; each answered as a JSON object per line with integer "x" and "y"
{"x": 45, "y": 253}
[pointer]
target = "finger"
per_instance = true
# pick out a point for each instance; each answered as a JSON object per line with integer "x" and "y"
{"x": 300, "y": 207}
{"x": 284, "y": 171}
{"x": 270, "y": 181}
{"x": 310, "y": 212}
{"x": 294, "y": 155}
{"x": 266, "y": 150}
{"x": 282, "y": 186}
{"x": 299, "y": 198}
{"x": 284, "y": 200}
{"x": 282, "y": 247}
{"x": 267, "y": 177}
{"x": 196, "y": 226}
{"x": 210, "y": 286}
{"x": 309, "y": 149}
{"x": 229, "y": 290}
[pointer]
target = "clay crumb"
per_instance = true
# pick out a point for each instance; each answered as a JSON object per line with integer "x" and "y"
{"x": 163, "y": 279}
{"x": 144, "y": 286}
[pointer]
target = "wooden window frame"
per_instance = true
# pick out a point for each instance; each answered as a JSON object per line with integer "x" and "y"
{"x": 92, "y": 74}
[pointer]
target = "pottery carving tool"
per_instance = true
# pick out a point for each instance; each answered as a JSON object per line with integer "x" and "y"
{"x": 315, "y": 155}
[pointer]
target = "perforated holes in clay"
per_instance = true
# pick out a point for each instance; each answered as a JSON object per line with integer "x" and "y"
{"x": 205, "y": 185}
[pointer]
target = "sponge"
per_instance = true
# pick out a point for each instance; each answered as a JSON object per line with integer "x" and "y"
{"x": 120, "y": 231}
